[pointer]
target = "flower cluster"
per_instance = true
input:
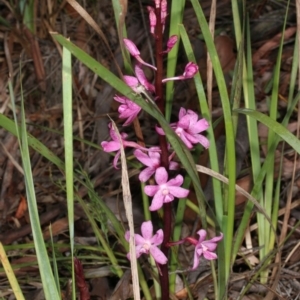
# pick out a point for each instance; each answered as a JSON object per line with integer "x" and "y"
{"x": 188, "y": 128}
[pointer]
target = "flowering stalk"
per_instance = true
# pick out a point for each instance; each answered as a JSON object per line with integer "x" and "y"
{"x": 167, "y": 209}
{"x": 157, "y": 159}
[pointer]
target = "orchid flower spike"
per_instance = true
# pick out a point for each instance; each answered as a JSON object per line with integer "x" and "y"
{"x": 188, "y": 128}
{"x": 134, "y": 51}
{"x": 165, "y": 191}
{"x": 189, "y": 72}
{"x": 127, "y": 110}
{"x": 203, "y": 247}
{"x": 152, "y": 161}
{"x": 115, "y": 144}
{"x": 147, "y": 243}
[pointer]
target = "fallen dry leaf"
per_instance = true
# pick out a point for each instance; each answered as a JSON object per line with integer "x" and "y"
{"x": 22, "y": 208}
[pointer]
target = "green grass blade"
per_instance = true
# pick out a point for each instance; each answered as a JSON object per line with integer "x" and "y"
{"x": 10, "y": 126}
{"x": 68, "y": 143}
{"x": 27, "y": 8}
{"x": 176, "y": 16}
{"x": 256, "y": 191}
{"x": 230, "y": 163}
{"x": 268, "y": 195}
{"x": 54, "y": 261}
{"x": 120, "y": 10}
{"x": 49, "y": 285}
{"x": 250, "y": 102}
{"x": 294, "y": 71}
{"x": 10, "y": 274}
{"x": 276, "y": 127}
{"x": 213, "y": 156}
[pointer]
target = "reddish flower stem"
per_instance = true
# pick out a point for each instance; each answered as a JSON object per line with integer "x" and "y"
{"x": 167, "y": 218}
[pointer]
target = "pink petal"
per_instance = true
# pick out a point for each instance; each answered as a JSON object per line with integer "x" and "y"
{"x": 190, "y": 70}
{"x": 143, "y": 158}
{"x": 159, "y": 130}
{"x": 173, "y": 165}
{"x": 147, "y": 230}
{"x": 154, "y": 153}
{"x": 168, "y": 198}
{"x": 196, "y": 260}
{"x": 120, "y": 99}
{"x": 182, "y": 113}
{"x": 161, "y": 175}
{"x": 217, "y": 238}
{"x": 143, "y": 79}
{"x": 146, "y": 174}
{"x": 193, "y": 116}
{"x": 178, "y": 192}
{"x": 158, "y": 255}
{"x": 139, "y": 250}
{"x": 200, "y": 126}
{"x": 139, "y": 240}
{"x": 115, "y": 161}
{"x": 211, "y": 246}
{"x": 115, "y": 137}
{"x": 110, "y": 146}
{"x": 184, "y": 122}
{"x": 157, "y": 201}
{"x": 158, "y": 238}
{"x": 203, "y": 141}
{"x": 127, "y": 235}
{"x": 202, "y": 235}
{"x": 152, "y": 19}
{"x": 177, "y": 181}
{"x": 182, "y": 135}
{"x": 131, "y": 47}
{"x": 151, "y": 190}
{"x": 131, "y": 81}
{"x": 172, "y": 42}
{"x": 129, "y": 120}
{"x": 209, "y": 255}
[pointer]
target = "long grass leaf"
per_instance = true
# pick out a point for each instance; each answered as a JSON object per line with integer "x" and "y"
{"x": 49, "y": 285}
{"x": 10, "y": 274}
{"x": 68, "y": 143}
{"x": 176, "y": 16}
{"x": 229, "y": 196}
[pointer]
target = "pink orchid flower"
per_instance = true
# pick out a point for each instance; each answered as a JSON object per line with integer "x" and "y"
{"x": 157, "y": 3}
{"x": 134, "y": 51}
{"x": 163, "y": 15}
{"x": 188, "y": 128}
{"x": 165, "y": 191}
{"x": 171, "y": 43}
{"x": 152, "y": 161}
{"x": 152, "y": 19}
{"x": 127, "y": 110}
{"x": 115, "y": 144}
{"x": 203, "y": 247}
{"x": 132, "y": 82}
{"x": 189, "y": 72}
{"x": 143, "y": 79}
{"x": 147, "y": 243}
{"x": 139, "y": 83}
